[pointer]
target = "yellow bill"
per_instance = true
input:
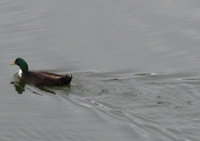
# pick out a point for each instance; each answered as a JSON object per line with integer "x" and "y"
{"x": 13, "y": 63}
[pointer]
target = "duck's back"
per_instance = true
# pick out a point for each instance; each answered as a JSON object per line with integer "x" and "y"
{"x": 47, "y": 79}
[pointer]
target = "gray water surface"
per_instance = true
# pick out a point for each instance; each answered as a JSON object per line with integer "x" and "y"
{"x": 135, "y": 67}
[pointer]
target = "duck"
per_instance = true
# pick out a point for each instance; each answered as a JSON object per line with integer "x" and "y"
{"x": 40, "y": 78}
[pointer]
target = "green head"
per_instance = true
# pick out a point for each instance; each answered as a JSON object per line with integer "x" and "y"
{"x": 22, "y": 64}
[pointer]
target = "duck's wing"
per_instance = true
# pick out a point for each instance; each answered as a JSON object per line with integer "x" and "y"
{"x": 48, "y": 79}
{"x": 49, "y": 75}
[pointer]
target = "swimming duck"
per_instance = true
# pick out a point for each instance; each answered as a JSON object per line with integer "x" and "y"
{"x": 41, "y": 78}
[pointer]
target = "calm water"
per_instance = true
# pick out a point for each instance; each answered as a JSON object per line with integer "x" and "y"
{"x": 135, "y": 64}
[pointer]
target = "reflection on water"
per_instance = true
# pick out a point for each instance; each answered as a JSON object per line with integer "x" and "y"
{"x": 19, "y": 84}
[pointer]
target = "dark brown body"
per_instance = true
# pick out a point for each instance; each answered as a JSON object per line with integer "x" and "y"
{"x": 46, "y": 79}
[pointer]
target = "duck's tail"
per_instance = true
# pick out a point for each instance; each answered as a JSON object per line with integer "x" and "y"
{"x": 66, "y": 79}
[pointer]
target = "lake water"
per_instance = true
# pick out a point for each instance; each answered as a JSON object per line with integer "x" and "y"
{"x": 135, "y": 67}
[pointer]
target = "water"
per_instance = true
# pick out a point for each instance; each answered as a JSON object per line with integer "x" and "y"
{"x": 135, "y": 68}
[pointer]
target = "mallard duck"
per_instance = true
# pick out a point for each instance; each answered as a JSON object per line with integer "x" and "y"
{"x": 41, "y": 78}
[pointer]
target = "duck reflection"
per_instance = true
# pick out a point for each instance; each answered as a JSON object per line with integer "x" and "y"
{"x": 19, "y": 85}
